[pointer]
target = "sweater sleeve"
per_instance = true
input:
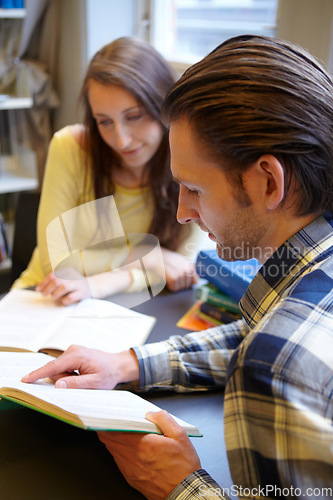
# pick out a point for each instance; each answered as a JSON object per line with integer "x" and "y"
{"x": 63, "y": 189}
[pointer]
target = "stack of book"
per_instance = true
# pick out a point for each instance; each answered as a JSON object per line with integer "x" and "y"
{"x": 212, "y": 308}
{"x": 217, "y": 304}
{"x": 231, "y": 278}
{"x": 218, "y": 298}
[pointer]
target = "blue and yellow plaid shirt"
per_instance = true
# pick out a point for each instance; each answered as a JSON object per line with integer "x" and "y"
{"x": 277, "y": 369}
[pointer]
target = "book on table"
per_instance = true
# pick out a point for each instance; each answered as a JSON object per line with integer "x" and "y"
{"x": 210, "y": 294}
{"x": 200, "y": 316}
{"x": 31, "y": 322}
{"x": 196, "y": 321}
{"x": 232, "y": 278}
{"x": 109, "y": 410}
{"x": 220, "y": 314}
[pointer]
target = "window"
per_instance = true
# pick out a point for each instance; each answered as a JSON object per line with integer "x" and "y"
{"x": 186, "y": 30}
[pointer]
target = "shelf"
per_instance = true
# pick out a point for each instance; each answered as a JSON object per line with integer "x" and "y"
{"x": 13, "y": 13}
{"x": 5, "y": 265}
{"x": 18, "y": 173}
{"x": 18, "y": 170}
{"x": 11, "y": 183}
{"x": 16, "y": 103}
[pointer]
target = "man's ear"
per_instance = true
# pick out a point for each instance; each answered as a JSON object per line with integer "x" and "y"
{"x": 272, "y": 175}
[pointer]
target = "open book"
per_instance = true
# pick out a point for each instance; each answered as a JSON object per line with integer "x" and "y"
{"x": 85, "y": 408}
{"x": 31, "y": 322}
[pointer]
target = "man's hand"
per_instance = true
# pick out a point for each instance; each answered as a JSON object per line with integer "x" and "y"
{"x": 83, "y": 368}
{"x": 66, "y": 290}
{"x": 151, "y": 463}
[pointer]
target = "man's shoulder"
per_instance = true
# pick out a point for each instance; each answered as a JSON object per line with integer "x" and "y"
{"x": 294, "y": 340}
{"x": 315, "y": 286}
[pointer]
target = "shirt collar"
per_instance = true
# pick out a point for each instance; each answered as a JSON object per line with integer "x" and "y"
{"x": 303, "y": 250}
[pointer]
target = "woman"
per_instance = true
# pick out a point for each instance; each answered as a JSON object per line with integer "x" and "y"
{"x": 119, "y": 155}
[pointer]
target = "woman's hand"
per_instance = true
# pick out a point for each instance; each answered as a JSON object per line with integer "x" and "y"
{"x": 71, "y": 287}
{"x": 65, "y": 290}
{"x": 179, "y": 271}
{"x": 172, "y": 267}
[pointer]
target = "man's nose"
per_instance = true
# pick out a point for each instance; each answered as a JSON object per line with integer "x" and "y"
{"x": 185, "y": 212}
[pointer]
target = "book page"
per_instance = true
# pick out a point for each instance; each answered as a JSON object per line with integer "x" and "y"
{"x": 27, "y": 319}
{"x": 97, "y": 409}
{"x": 30, "y": 321}
{"x": 103, "y": 325}
{"x": 14, "y": 365}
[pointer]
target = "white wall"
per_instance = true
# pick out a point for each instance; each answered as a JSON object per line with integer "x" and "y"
{"x": 308, "y": 23}
{"x": 86, "y": 25}
{"x": 72, "y": 60}
{"x": 107, "y": 20}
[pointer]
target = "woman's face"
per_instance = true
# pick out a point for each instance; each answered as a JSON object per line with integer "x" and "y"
{"x": 124, "y": 125}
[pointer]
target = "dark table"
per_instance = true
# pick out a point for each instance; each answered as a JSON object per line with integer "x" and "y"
{"x": 45, "y": 459}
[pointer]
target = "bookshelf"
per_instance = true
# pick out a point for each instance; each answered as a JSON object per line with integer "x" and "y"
{"x": 18, "y": 163}
{"x": 15, "y": 13}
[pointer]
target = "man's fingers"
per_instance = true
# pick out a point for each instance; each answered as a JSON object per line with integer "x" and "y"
{"x": 48, "y": 370}
{"x": 167, "y": 425}
{"x": 88, "y": 381}
{"x": 61, "y": 365}
{"x": 124, "y": 439}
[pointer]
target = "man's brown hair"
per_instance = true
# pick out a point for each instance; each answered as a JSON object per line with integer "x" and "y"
{"x": 256, "y": 95}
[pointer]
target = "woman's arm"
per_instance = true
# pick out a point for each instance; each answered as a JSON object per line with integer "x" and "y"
{"x": 69, "y": 289}
{"x": 61, "y": 190}
{"x": 63, "y": 187}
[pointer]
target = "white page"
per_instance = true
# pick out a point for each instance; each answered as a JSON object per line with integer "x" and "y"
{"x": 14, "y": 365}
{"x": 27, "y": 319}
{"x": 109, "y": 335}
{"x": 33, "y": 322}
{"x": 101, "y": 325}
{"x": 89, "y": 404}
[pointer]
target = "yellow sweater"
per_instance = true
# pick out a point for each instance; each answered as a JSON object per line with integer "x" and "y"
{"x": 60, "y": 241}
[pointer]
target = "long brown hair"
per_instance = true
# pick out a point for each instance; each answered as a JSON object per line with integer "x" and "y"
{"x": 136, "y": 66}
{"x": 257, "y": 95}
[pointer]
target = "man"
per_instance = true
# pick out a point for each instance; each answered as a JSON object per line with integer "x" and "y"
{"x": 251, "y": 136}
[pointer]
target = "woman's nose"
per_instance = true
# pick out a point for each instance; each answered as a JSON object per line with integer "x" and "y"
{"x": 122, "y": 136}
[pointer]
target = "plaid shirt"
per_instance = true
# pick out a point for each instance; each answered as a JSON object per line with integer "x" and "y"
{"x": 277, "y": 368}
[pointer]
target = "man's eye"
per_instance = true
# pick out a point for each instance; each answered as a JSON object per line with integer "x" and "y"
{"x": 193, "y": 191}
